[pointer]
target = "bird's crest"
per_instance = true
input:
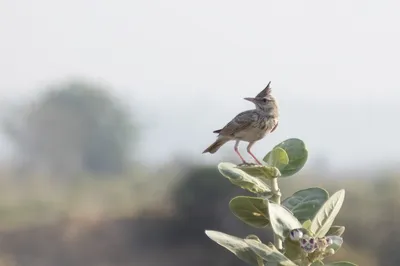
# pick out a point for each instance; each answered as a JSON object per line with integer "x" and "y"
{"x": 265, "y": 91}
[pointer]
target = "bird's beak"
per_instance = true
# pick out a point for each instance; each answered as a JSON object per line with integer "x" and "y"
{"x": 250, "y": 99}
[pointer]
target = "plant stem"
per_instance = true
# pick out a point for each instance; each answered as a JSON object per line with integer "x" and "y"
{"x": 276, "y": 198}
{"x": 260, "y": 261}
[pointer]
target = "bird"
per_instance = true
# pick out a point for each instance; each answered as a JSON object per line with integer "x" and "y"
{"x": 249, "y": 126}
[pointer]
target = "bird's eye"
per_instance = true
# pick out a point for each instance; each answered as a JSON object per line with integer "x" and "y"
{"x": 264, "y": 100}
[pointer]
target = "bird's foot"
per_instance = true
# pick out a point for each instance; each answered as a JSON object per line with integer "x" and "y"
{"x": 254, "y": 157}
{"x": 246, "y": 164}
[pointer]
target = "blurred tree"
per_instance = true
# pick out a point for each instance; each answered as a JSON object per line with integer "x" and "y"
{"x": 74, "y": 126}
{"x": 201, "y": 200}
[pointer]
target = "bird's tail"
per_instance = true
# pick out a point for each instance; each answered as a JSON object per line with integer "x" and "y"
{"x": 216, "y": 145}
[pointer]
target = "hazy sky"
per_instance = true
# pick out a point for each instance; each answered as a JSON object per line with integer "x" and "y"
{"x": 187, "y": 65}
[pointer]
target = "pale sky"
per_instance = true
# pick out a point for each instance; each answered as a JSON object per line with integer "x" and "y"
{"x": 187, "y": 65}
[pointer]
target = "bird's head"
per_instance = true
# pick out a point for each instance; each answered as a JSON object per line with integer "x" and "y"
{"x": 264, "y": 100}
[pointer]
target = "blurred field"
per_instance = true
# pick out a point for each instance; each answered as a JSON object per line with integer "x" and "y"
{"x": 41, "y": 199}
{"x": 134, "y": 219}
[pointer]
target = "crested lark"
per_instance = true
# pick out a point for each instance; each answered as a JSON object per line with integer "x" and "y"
{"x": 250, "y": 125}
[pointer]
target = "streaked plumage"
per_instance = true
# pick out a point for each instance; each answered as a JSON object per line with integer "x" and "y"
{"x": 251, "y": 125}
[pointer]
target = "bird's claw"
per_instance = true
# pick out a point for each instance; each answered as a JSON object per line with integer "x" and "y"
{"x": 247, "y": 164}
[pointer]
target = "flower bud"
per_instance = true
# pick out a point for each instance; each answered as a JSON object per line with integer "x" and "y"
{"x": 303, "y": 242}
{"x": 309, "y": 245}
{"x": 296, "y": 234}
{"x": 329, "y": 252}
{"x": 309, "y": 248}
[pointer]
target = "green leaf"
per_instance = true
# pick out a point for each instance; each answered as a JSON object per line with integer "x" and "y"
{"x": 260, "y": 171}
{"x": 243, "y": 180}
{"x": 327, "y": 213}
{"x": 306, "y": 228}
{"x": 317, "y": 263}
{"x": 292, "y": 249}
{"x": 307, "y": 224}
{"x": 304, "y": 204}
{"x": 336, "y": 230}
{"x": 297, "y": 153}
{"x": 251, "y": 210}
{"x": 268, "y": 253}
{"x": 282, "y": 221}
{"x": 277, "y": 158}
{"x": 341, "y": 263}
{"x": 235, "y": 245}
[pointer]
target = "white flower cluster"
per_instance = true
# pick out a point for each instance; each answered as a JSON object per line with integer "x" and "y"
{"x": 310, "y": 244}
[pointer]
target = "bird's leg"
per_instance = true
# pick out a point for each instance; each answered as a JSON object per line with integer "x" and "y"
{"x": 252, "y": 155}
{"x": 237, "y": 152}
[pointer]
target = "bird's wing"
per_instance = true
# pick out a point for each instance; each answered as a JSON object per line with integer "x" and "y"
{"x": 240, "y": 122}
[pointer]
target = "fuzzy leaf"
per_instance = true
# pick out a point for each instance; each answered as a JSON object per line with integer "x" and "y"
{"x": 307, "y": 224}
{"x": 292, "y": 249}
{"x": 269, "y": 254}
{"x": 336, "y": 230}
{"x": 327, "y": 213}
{"x": 242, "y": 179}
{"x": 304, "y": 204}
{"x": 297, "y": 154}
{"x": 282, "y": 221}
{"x": 235, "y": 245}
{"x": 261, "y": 171}
{"x": 251, "y": 210}
{"x": 277, "y": 158}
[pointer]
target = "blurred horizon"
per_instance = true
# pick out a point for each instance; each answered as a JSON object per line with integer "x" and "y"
{"x": 341, "y": 138}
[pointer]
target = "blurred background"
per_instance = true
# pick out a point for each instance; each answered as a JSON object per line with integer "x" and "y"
{"x": 106, "y": 107}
